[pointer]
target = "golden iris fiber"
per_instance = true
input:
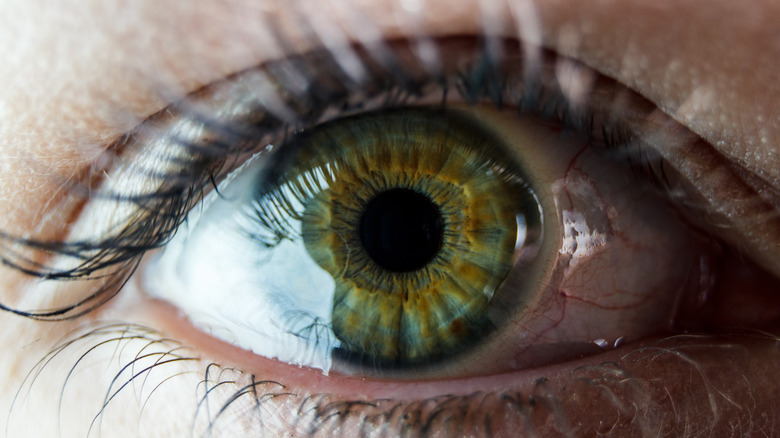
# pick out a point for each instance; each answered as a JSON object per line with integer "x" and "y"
{"x": 336, "y": 169}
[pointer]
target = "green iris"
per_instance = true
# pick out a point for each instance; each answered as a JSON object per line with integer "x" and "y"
{"x": 415, "y": 214}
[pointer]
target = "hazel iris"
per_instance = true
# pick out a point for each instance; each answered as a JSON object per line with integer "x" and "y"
{"x": 415, "y": 215}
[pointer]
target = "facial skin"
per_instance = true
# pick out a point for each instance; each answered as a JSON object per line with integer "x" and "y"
{"x": 79, "y": 74}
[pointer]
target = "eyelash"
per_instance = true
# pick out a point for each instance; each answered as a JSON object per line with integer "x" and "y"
{"x": 329, "y": 94}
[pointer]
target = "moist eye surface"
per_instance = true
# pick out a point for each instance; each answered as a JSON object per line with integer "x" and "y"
{"x": 373, "y": 244}
{"x": 413, "y": 214}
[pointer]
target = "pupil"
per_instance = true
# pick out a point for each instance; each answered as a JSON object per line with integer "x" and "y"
{"x": 401, "y": 230}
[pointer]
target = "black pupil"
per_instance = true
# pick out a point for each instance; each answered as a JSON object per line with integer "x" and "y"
{"x": 401, "y": 230}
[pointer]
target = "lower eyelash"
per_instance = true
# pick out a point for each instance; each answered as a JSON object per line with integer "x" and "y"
{"x": 316, "y": 415}
{"x": 90, "y": 338}
{"x": 225, "y": 397}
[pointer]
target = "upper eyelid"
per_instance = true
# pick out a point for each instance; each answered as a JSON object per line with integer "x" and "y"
{"x": 200, "y": 136}
{"x": 198, "y": 143}
{"x": 659, "y": 135}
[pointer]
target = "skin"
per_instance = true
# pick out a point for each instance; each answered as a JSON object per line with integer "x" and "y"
{"x": 79, "y": 74}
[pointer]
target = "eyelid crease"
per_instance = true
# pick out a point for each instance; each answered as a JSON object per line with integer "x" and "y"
{"x": 713, "y": 191}
{"x": 164, "y": 167}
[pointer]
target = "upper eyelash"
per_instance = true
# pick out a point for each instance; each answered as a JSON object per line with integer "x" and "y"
{"x": 221, "y": 140}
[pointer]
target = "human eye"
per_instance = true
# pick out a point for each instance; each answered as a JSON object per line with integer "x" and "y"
{"x": 508, "y": 223}
{"x": 201, "y": 149}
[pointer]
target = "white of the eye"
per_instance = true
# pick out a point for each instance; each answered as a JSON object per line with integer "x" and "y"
{"x": 260, "y": 299}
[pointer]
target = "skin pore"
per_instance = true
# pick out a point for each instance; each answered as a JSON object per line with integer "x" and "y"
{"x": 80, "y": 74}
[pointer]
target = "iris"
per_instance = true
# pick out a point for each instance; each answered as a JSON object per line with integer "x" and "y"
{"x": 415, "y": 214}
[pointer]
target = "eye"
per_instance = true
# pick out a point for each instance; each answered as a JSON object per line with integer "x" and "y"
{"x": 577, "y": 250}
{"x": 402, "y": 243}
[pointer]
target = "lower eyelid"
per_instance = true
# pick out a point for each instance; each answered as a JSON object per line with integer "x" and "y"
{"x": 631, "y": 387}
{"x": 627, "y": 391}
{"x": 621, "y": 385}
